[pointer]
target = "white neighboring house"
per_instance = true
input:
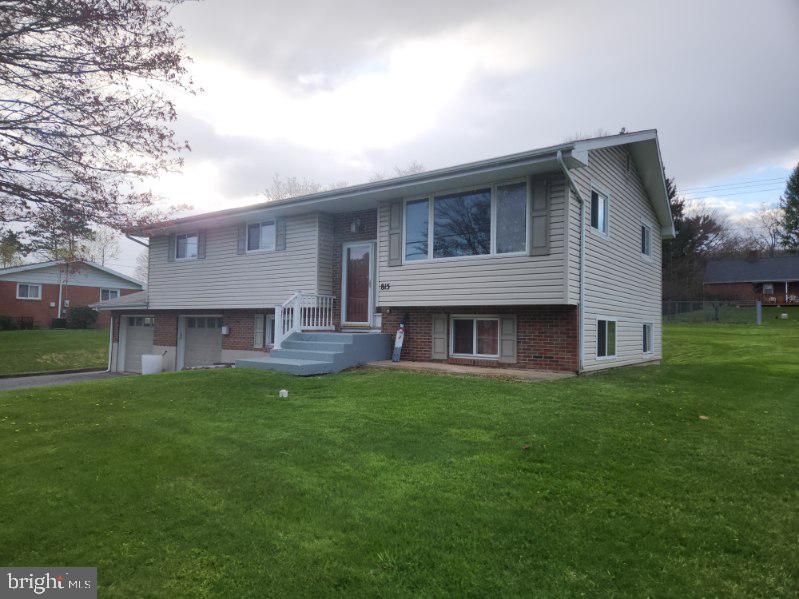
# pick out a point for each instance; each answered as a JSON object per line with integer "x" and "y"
{"x": 548, "y": 259}
{"x": 46, "y": 290}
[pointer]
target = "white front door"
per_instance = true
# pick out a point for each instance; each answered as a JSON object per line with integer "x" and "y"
{"x": 357, "y": 276}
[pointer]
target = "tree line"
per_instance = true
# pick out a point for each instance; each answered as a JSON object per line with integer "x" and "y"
{"x": 703, "y": 235}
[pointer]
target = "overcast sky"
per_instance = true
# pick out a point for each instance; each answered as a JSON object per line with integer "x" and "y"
{"x": 335, "y": 91}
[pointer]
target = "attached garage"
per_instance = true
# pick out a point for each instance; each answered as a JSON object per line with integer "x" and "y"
{"x": 203, "y": 341}
{"x": 138, "y": 340}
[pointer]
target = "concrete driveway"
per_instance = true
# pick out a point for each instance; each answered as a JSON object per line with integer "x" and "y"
{"x": 46, "y": 380}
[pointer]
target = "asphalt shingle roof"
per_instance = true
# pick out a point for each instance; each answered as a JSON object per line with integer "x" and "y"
{"x": 769, "y": 270}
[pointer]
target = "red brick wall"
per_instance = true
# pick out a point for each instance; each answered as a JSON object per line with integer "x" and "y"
{"x": 40, "y": 310}
{"x": 241, "y": 323}
{"x": 343, "y": 234}
{"x": 546, "y": 336}
{"x": 730, "y": 291}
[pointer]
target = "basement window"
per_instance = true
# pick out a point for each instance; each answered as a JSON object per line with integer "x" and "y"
{"x": 605, "y": 338}
{"x": 29, "y": 291}
{"x": 474, "y": 337}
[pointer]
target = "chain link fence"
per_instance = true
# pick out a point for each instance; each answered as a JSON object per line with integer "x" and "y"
{"x": 708, "y": 311}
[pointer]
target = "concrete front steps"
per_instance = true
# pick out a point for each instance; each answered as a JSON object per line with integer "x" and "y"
{"x": 306, "y": 354}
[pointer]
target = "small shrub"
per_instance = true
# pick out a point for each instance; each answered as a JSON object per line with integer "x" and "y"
{"x": 7, "y": 323}
{"x": 81, "y": 317}
{"x": 58, "y": 323}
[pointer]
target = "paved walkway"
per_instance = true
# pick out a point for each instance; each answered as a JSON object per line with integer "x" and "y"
{"x": 500, "y": 373}
{"x": 45, "y": 380}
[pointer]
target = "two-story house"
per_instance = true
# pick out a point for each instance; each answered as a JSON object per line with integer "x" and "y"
{"x": 544, "y": 259}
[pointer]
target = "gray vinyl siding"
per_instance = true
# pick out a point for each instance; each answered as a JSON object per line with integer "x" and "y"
{"x": 325, "y": 268}
{"x": 85, "y": 277}
{"x": 226, "y": 279}
{"x": 620, "y": 282}
{"x": 481, "y": 280}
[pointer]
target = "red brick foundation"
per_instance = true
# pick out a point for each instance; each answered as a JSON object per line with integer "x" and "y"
{"x": 240, "y": 322}
{"x": 546, "y": 336}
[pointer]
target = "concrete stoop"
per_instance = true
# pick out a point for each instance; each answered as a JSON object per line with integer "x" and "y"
{"x": 307, "y": 354}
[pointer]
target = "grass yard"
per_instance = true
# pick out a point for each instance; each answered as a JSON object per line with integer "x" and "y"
{"x": 47, "y": 350}
{"x": 390, "y": 483}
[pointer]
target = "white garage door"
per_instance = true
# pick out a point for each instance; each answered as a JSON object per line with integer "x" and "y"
{"x": 203, "y": 341}
{"x": 138, "y": 341}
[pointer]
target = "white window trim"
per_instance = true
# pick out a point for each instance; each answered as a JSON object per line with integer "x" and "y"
{"x": 493, "y": 231}
{"x": 651, "y": 326}
{"x": 109, "y": 289}
{"x": 650, "y": 228}
{"x": 33, "y": 299}
{"x": 768, "y": 292}
{"x": 596, "y": 339}
{"x": 473, "y": 317}
{"x": 187, "y": 258}
{"x": 247, "y": 240}
{"x": 603, "y": 191}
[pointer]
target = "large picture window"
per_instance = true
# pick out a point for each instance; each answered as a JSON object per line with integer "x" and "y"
{"x": 477, "y": 222}
{"x": 417, "y": 214}
{"x": 474, "y": 337}
{"x": 261, "y": 237}
{"x": 186, "y": 246}
{"x": 462, "y": 224}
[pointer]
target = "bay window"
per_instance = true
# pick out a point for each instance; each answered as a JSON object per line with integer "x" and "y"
{"x": 474, "y": 337}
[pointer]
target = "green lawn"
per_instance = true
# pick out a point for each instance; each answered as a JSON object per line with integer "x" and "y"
{"x": 382, "y": 483}
{"x": 45, "y": 350}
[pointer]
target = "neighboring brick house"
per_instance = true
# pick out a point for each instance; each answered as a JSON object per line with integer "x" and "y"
{"x": 544, "y": 259}
{"x": 772, "y": 280}
{"x": 45, "y": 290}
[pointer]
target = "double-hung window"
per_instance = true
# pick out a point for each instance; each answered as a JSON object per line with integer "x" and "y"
{"x": 605, "y": 338}
{"x": 186, "y": 246}
{"x": 768, "y": 288}
{"x": 646, "y": 240}
{"x": 647, "y": 338}
{"x": 599, "y": 211}
{"x": 261, "y": 236}
{"x": 476, "y": 336}
{"x": 477, "y": 222}
{"x": 29, "y": 291}
{"x": 108, "y": 294}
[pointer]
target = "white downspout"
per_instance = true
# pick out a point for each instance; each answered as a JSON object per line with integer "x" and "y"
{"x": 110, "y": 340}
{"x": 580, "y": 315}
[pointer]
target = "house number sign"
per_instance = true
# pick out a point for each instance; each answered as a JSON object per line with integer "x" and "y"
{"x": 385, "y": 286}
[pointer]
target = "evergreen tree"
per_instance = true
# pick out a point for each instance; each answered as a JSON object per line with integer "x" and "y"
{"x": 790, "y": 210}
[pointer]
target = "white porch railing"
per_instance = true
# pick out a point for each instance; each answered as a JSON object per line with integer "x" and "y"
{"x": 303, "y": 312}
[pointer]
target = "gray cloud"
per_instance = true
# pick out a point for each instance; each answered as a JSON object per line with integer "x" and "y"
{"x": 718, "y": 79}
